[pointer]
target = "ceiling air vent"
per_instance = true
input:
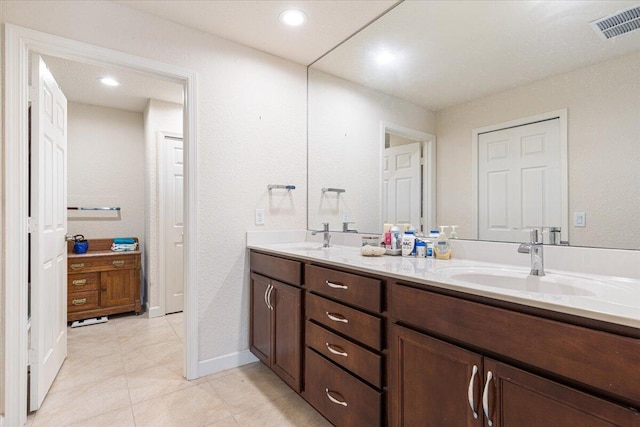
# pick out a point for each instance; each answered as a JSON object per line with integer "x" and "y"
{"x": 617, "y": 24}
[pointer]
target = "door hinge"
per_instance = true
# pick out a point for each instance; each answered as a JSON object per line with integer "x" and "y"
{"x": 31, "y": 225}
{"x": 32, "y": 357}
{"x": 32, "y": 94}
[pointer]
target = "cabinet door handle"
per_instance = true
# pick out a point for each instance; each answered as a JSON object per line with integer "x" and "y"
{"x": 79, "y": 282}
{"x": 269, "y": 297}
{"x": 333, "y": 350}
{"x": 77, "y": 266}
{"x": 485, "y": 398}
{"x": 335, "y": 285}
{"x": 80, "y": 301}
{"x": 333, "y": 399}
{"x": 266, "y": 291}
{"x": 336, "y": 317}
{"x": 118, "y": 263}
{"x": 104, "y": 289}
{"x": 471, "y": 391}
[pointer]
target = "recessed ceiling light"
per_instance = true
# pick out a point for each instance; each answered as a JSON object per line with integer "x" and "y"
{"x": 384, "y": 57}
{"x": 108, "y": 81}
{"x": 293, "y": 17}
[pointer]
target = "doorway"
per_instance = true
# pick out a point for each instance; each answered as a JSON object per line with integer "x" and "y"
{"x": 20, "y": 43}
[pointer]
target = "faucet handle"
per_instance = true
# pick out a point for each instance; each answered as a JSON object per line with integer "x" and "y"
{"x": 325, "y": 226}
{"x": 534, "y": 234}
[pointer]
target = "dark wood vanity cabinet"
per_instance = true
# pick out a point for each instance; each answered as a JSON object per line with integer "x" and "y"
{"x": 434, "y": 382}
{"x": 276, "y": 316}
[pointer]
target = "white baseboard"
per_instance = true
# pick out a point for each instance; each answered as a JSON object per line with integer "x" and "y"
{"x": 154, "y": 311}
{"x": 222, "y": 363}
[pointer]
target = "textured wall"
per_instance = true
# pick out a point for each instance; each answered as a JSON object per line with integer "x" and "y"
{"x": 105, "y": 168}
{"x": 251, "y": 132}
{"x": 345, "y": 148}
{"x": 604, "y": 136}
{"x": 159, "y": 116}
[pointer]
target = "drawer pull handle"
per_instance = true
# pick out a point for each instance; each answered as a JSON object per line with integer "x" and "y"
{"x": 333, "y": 350}
{"x": 77, "y": 266}
{"x": 269, "y": 297}
{"x": 471, "y": 391}
{"x": 79, "y": 282}
{"x": 333, "y": 399}
{"x": 485, "y": 398}
{"x": 118, "y": 263}
{"x": 80, "y": 301}
{"x": 336, "y": 317}
{"x": 335, "y": 285}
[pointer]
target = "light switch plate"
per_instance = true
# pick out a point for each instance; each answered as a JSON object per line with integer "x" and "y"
{"x": 259, "y": 216}
{"x": 580, "y": 219}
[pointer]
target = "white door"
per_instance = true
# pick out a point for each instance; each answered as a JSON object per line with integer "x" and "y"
{"x": 401, "y": 184}
{"x": 48, "y": 339}
{"x": 171, "y": 188}
{"x": 519, "y": 181}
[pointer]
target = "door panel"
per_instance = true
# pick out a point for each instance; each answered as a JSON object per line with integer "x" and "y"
{"x": 116, "y": 289}
{"x": 48, "y": 262}
{"x": 402, "y": 184}
{"x": 287, "y": 323}
{"x": 260, "y": 319}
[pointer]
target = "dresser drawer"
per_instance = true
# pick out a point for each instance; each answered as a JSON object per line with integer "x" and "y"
{"x": 362, "y": 362}
{"x": 101, "y": 263}
{"x": 360, "y": 326}
{"x": 281, "y": 269}
{"x": 82, "y": 282}
{"x": 343, "y": 399}
{"x": 82, "y": 301}
{"x": 346, "y": 287}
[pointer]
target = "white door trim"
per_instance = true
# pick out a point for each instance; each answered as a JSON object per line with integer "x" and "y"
{"x": 19, "y": 43}
{"x": 162, "y": 235}
{"x": 562, "y": 115}
{"x": 429, "y": 171}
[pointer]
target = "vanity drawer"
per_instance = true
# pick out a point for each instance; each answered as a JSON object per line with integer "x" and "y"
{"x": 358, "y": 325}
{"x": 590, "y": 357}
{"x": 82, "y": 301}
{"x": 343, "y": 399}
{"x": 102, "y": 263}
{"x": 82, "y": 282}
{"x": 350, "y": 288}
{"x": 364, "y": 363}
{"x": 281, "y": 269}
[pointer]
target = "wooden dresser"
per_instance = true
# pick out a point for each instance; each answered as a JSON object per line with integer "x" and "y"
{"x": 102, "y": 282}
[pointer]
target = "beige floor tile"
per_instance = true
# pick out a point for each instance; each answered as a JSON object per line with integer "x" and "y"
{"x": 30, "y": 419}
{"x": 288, "y": 411}
{"x": 232, "y": 371}
{"x": 77, "y": 371}
{"x": 227, "y": 422}
{"x": 118, "y": 418}
{"x": 155, "y": 381}
{"x": 82, "y": 402}
{"x": 175, "y": 317}
{"x": 128, "y": 324}
{"x": 199, "y": 405}
{"x": 146, "y": 337}
{"x": 163, "y": 353}
{"x": 243, "y": 390}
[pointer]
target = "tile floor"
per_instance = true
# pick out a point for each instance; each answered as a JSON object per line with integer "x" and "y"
{"x": 128, "y": 372}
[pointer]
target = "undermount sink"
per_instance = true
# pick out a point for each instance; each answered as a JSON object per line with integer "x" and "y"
{"x": 520, "y": 280}
{"x": 306, "y": 247}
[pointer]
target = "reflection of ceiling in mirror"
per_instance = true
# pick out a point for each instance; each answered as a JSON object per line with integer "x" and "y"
{"x": 443, "y": 53}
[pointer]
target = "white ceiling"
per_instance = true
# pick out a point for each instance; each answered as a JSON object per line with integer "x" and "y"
{"x": 255, "y": 22}
{"x": 450, "y": 52}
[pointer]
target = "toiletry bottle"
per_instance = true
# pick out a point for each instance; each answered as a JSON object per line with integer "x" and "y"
{"x": 408, "y": 243}
{"x": 421, "y": 248}
{"x": 396, "y": 238}
{"x": 454, "y": 233}
{"x": 442, "y": 249}
{"x": 430, "y": 247}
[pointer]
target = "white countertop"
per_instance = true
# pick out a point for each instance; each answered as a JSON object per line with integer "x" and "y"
{"x": 610, "y": 299}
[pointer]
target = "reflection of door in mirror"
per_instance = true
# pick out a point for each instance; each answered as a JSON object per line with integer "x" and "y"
{"x": 401, "y": 181}
{"x": 520, "y": 180}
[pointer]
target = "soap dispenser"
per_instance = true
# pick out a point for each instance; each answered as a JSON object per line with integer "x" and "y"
{"x": 442, "y": 249}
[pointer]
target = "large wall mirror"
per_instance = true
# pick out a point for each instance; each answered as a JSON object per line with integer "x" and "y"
{"x": 436, "y": 77}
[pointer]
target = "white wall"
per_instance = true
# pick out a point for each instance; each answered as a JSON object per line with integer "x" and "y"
{"x": 251, "y": 119}
{"x": 159, "y": 116}
{"x": 604, "y": 136}
{"x": 345, "y": 148}
{"x": 105, "y": 168}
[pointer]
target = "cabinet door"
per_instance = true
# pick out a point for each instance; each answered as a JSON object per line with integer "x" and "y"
{"x": 260, "y": 322}
{"x": 517, "y": 398}
{"x": 117, "y": 288}
{"x": 287, "y": 332}
{"x": 432, "y": 383}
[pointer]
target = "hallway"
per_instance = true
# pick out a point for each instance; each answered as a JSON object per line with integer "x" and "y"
{"x": 128, "y": 372}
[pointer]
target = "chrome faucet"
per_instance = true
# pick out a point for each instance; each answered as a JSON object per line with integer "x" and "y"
{"x": 535, "y": 248}
{"x": 345, "y": 227}
{"x": 327, "y": 236}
